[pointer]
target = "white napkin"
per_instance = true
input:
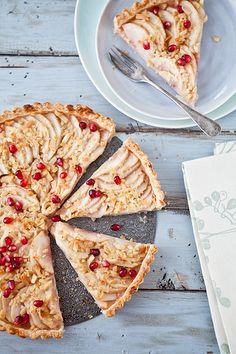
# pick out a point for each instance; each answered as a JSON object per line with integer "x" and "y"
{"x": 211, "y": 191}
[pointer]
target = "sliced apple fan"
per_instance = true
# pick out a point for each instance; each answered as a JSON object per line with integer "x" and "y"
{"x": 49, "y": 147}
{"x": 126, "y": 183}
{"x": 110, "y": 268}
{"x": 44, "y": 150}
{"x": 29, "y": 303}
{"x": 167, "y": 35}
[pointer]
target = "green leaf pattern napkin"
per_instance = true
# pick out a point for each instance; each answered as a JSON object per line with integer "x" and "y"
{"x": 211, "y": 191}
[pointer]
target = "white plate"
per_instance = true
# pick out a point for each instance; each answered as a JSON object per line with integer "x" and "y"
{"x": 215, "y": 85}
{"x": 85, "y": 24}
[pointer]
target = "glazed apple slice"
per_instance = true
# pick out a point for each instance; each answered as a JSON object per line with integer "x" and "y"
{"x": 126, "y": 183}
{"x": 110, "y": 268}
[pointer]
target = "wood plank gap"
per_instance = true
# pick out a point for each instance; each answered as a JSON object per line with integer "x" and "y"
{"x": 177, "y": 209}
{"x": 187, "y": 133}
{"x": 13, "y": 67}
{"x": 41, "y": 53}
{"x": 173, "y": 290}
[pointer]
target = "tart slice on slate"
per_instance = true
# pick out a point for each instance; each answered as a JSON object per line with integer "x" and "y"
{"x": 49, "y": 147}
{"x": 110, "y": 268}
{"x": 126, "y": 183}
{"x": 29, "y": 303}
{"x": 167, "y": 35}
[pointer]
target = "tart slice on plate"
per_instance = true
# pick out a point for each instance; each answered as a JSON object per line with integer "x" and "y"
{"x": 126, "y": 183}
{"x": 167, "y": 35}
{"x": 49, "y": 147}
{"x": 29, "y": 303}
{"x": 110, "y": 268}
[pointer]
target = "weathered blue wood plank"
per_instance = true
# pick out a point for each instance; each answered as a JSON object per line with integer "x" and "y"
{"x": 154, "y": 322}
{"x": 26, "y": 79}
{"x": 176, "y": 265}
{"x": 37, "y": 26}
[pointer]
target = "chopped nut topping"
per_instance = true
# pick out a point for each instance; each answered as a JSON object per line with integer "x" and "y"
{"x": 216, "y": 39}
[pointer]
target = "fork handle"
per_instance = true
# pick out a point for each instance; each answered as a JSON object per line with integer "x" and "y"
{"x": 207, "y": 125}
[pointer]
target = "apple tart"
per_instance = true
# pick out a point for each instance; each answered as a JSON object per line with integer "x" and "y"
{"x": 29, "y": 303}
{"x": 110, "y": 268}
{"x": 48, "y": 147}
{"x": 44, "y": 151}
{"x": 126, "y": 183}
{"x": 167, "y": 35}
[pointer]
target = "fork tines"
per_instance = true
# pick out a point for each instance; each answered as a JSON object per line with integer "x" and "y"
{"x": 122, "y": 61}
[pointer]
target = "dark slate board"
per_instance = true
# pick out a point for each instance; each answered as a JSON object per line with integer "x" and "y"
{"x": 76, "y": 304}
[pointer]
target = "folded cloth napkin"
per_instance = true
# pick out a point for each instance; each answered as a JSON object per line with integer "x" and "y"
{"x": 211, "y": 191}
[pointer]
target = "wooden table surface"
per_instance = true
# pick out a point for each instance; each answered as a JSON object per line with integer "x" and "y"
{"x": 170, "y": 314}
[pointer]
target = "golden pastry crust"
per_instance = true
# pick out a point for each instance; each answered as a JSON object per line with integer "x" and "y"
{"x": 133, "y": 287}
{"x": 78, "y": 110}
{"x": 128, "y": 14}
{"x": 29, "y": 333}
{"x": 149, "y": 170}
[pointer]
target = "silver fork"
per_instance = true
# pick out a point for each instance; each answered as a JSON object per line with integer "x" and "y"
{"x": 136, "y": 72}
